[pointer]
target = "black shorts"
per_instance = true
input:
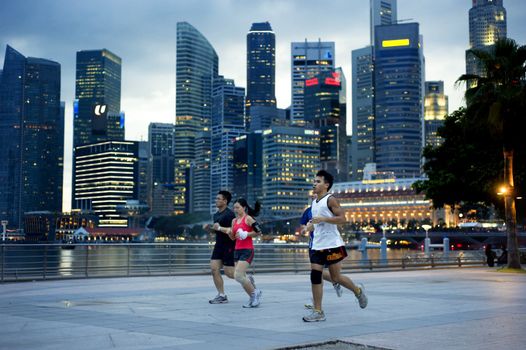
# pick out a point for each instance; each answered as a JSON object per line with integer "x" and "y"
{"x": 326, "y": 257}
{"x": 224, "y": 253}
{"x": 244, "y": 255}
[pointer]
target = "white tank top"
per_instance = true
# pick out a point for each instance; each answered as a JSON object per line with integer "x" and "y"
{"x": 325, "y": 235}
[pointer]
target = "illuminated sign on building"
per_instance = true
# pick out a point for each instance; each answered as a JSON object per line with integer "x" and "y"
{"x": 334, "y": 80}
{"x": 311, "y": 82}
{"x": 100, "y": 110}
{"x": 395, "y": 43}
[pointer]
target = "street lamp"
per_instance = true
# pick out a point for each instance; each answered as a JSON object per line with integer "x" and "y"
{"x": 427, "y": 240}
{"x": 4, "y": 224}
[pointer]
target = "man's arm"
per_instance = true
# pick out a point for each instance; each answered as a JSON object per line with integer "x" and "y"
{"x": 339, "y": 214}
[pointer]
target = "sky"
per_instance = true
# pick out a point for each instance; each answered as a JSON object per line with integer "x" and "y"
{"x": 143, "y": 34}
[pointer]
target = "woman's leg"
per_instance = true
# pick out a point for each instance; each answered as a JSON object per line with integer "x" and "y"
{"x": 241, "y": 276}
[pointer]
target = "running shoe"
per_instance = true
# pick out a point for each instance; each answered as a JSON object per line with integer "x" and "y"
{"x": 338, "y": 289}
{"x": 315, "y": 316}
{"x": 362, "y": 298}
{"x": 255, "y": 299}
{"x": 219, "y": 299}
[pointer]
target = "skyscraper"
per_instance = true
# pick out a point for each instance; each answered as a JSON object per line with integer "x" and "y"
{"x": 106, "y": 176}
{"x": 381, "y": 12}
{"x": 196, "y": 69}
{"x": 308, "y": 59}
{"x": 399, "y": 67}
{"x": 31, "y": 137}
{"x": 228, "y": 112}
{"x": 248, "y": 166}
{"x": 291, "y": 157}
{"x": 97, "y": 107}
{"x": 487, "y": 23}
{"x": 261, "y": 66}
{"x": 143, "y": 170}
{"x": 161, "y": 138}
{"x": 435, "y": 110}
{"x": 325, "y": 110}
{"x": 362, "y": 147}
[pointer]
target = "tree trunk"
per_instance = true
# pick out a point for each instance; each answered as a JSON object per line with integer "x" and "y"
{"x": 511, "y": 214}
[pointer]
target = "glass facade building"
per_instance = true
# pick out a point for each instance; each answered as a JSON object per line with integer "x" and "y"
{"x": 106, "y": 176}
{"x": 382, "y": 12}
{"x": 248, "y": 167}
{"x": 325, "y": 110}
{"x": 487, "y": 23}
{"x": 362, "y": 148}
{"x": 31, "y": 137}
{"x": 399, "y": 85}
{"x": 97, "y": 106}
{"x": 308, "y": 59}
{"x": 435, "y": 111}
{"x": 261, "y": 67}
{"x": 291, "y": 157}
{"x": 161, "y": 165}
{"x": 228, "y": 114}
{"x": 196, "y": 70}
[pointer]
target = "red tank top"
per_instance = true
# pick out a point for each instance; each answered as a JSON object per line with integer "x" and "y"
{"x": 243, "y": 243}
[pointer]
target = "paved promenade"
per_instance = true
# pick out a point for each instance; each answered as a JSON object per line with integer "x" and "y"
{"x": 472, "y": 308}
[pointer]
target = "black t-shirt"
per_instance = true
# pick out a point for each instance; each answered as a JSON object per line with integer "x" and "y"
{"x": 224, "y": 219}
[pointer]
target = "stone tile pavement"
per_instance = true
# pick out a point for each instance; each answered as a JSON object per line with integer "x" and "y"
{"x": 471, "y": 308}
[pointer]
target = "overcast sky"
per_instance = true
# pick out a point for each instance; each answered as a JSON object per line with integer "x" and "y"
{"x": 143, "y": 34}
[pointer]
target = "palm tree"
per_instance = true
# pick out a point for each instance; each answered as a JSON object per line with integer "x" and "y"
{"x": 498, "y": 98}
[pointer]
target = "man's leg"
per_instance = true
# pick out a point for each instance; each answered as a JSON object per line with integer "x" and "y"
{"x": 327, "y": 276}
{"x": 229, "y": 271}
{"x": 317, "y": 285}
{"x": 215, "y": 266}
{"x": 337, "y": 277}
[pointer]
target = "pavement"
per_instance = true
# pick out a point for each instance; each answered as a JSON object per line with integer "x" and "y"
{"x": 468, "y": 308}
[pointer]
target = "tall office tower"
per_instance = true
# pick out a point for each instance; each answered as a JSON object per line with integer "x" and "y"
{"x": 106, "y": 176}
{"x": 291, "y": 157}
{"x": 381, "y": 12}
{"x": 228, "y": 113}
{"x": 399, "y": 85}
{"x": 325, "y": 110}
{"x": 435, "y": 110}
{"x": 200, "y": 184}
{"x": 261, "y": 67}
{"x": 362, "y": 148}
{"x": 262, "y": 117}
{"x": 97, "y": 106}
{"x": 487, "y": 23}
{"x": 161, "y": 164}
{"x": 31, "y": 137}
{"x": 196, "y": 68}
{"x": 248, "y": 166}
{"x": 308, "y": 60}
{"x": 143, "y": 169}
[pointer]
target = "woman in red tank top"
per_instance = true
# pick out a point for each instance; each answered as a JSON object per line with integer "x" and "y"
{"x": 244, "y": 228}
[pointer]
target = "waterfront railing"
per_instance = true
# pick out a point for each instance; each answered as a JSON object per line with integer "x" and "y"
{"x": 27, "y": 262}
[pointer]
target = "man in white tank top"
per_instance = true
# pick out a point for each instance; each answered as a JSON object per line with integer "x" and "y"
{"x": 327, "y": 245}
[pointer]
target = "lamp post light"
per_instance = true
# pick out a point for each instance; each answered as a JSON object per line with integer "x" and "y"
{"x": 4, "y": 225}
{"x": 427, "y": 240}
{"x": 508, "y": 193}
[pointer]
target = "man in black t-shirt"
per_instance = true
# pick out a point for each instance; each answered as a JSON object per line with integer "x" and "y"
{"x": 223, "y": 254}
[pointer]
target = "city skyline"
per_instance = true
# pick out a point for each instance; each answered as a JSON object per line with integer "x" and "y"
{"x": 148, "y": 48}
